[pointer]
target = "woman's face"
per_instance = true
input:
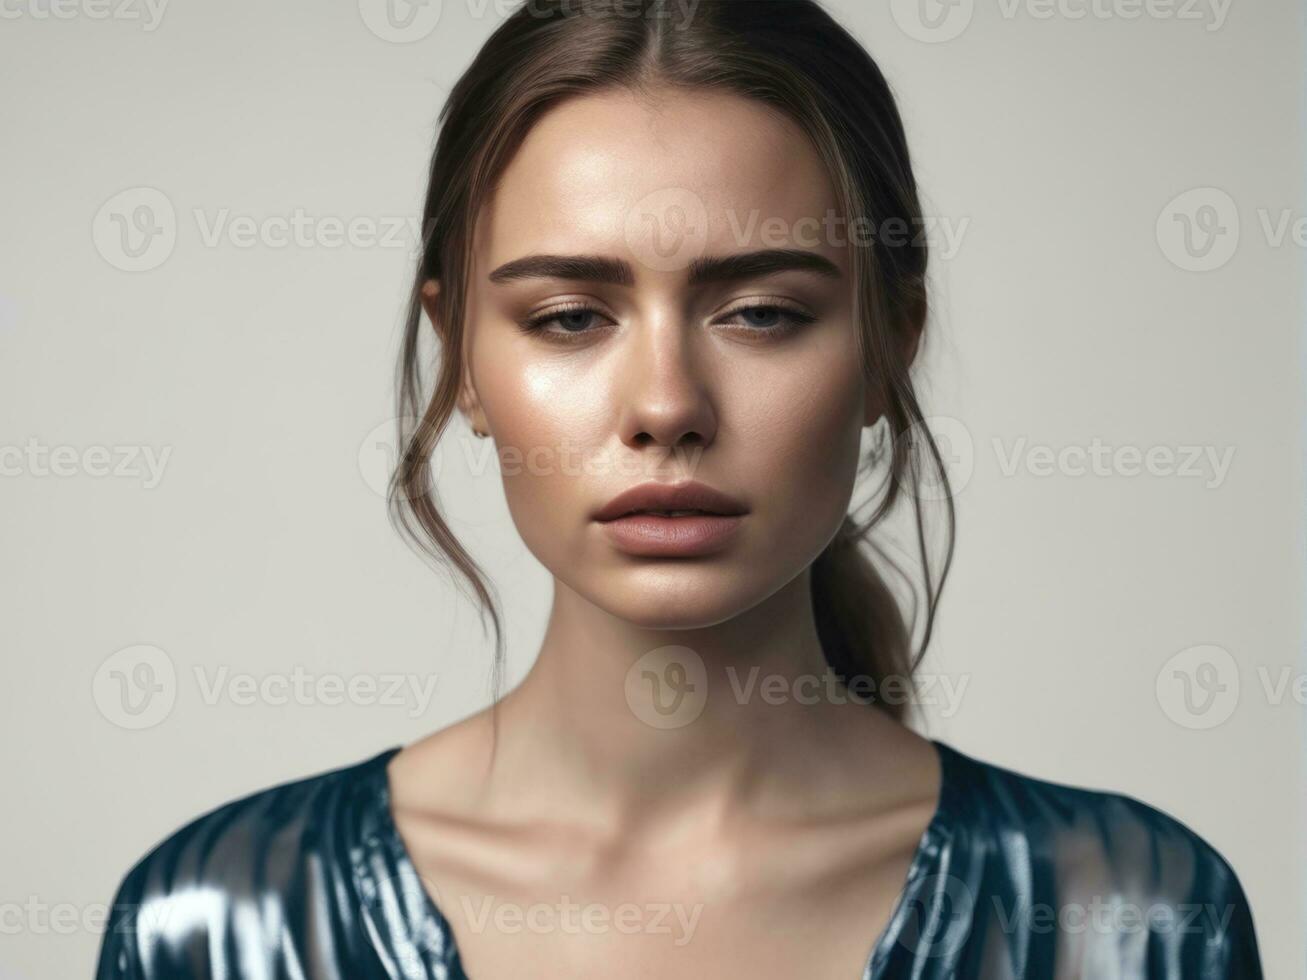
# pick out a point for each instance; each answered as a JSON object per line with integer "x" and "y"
{"x": 663, "y": 365}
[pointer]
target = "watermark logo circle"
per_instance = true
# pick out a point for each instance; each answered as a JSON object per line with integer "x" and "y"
{"x": 401, "y": 21}
{"x": 933, "y": 21}
{"x": 136, "y": 687}
{"x": 667, "y": 687}
{"x": 1198, "y": 688}
{"x": 668, "y": 229}
{"x": 957, "y": 450}
{"x": 1198, "y": 231}
{"x": 938, "y": 913}
{"x": 378, "y": 457}
{"x": 136, "y": 229}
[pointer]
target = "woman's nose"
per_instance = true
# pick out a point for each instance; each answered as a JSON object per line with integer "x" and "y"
{"x": 664, "y": 391}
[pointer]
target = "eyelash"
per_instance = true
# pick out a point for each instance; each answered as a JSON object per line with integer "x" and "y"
{"x": 797, "y": 318}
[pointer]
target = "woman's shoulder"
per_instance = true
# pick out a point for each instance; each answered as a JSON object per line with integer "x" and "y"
{"x": 267, "y": 826}
{"x": 1086, "y": 822}
{"x": 234, "y": 873}
{"x": 1094, "y": 860}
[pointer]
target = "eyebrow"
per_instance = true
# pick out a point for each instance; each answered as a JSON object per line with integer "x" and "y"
{"x": 617, "y": 272}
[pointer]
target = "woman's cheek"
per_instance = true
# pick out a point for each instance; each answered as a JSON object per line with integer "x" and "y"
{"x": 803, "y": 435}
{"x": 541, "y": 414}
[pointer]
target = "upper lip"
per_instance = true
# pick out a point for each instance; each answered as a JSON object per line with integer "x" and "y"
{"x": 667, "y": 496}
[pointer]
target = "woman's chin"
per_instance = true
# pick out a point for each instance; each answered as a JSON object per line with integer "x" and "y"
{"x": 679, "y": 600}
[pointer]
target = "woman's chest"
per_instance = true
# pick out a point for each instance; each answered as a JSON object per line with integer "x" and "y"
{"x": 773, "y": 908}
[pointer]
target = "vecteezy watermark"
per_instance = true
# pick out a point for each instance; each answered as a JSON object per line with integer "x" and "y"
{"x": 668, "y": 688}
{"x": 306, "y": 688}
{"x": 1285, "y": 682}
{"x": 933, "y": 21}
{"x": 489, "y": 913}
{"x": 676, "y": 14}
{"x": 1097, "y": 458}
{"x": 36, "y": 459}
{"x": 406, "y": 21}
{"x": 1201, "y": 229}
{"x": 937, "y": 21}
{"x": 35, "y": 916}
{"x": 299, "y": 229}
{"x": 378, "y": 456}
{"x": 942, "y": 234}
{"x": 401, "y": 21}
{"x": 149, "y": 13}
{"x": 937, "y": 914}
{"x": 673, "y": 919}
{"x": 569, "y": 459}
{"x": 136, "y": 230}
{"x": 1198, "y": 231}
{"x": 892, "y": 689}
{"x": 1201, "y": 686}
{"x": 1114, "y": 916}
{"x": 1198, "y": 687}
{"x": 137, "y": 687}
{"x": 668, "y": 229}
{"x": 1210, "y": 14}
{"x": 1206, "y": 463}
{"x": 957, "y": 451}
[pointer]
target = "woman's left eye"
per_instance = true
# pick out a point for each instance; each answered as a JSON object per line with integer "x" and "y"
{"x": 771, "y": 317}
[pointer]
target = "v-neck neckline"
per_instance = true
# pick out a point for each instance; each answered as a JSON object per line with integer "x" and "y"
{"x": 926, "y": 851}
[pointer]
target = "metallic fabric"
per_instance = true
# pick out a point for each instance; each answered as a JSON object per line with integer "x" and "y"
{"x": 1015, "y": 877}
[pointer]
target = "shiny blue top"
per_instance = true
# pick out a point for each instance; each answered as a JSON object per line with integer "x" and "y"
{"x": 1015, "y": 877}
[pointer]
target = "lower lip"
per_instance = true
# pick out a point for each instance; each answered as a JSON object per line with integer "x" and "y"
{"x": 653, "y": 536}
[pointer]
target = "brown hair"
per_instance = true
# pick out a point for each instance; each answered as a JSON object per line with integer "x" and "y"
{"x": 791, "y": 55}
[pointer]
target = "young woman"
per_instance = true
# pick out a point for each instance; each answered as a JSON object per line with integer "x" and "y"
{"x": 672, "y": 270}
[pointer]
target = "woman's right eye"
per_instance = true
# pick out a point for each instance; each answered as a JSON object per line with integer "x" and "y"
{"x": 563, "y": 323}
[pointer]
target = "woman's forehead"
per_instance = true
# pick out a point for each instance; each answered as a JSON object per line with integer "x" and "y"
{"x": 614, "y": 172}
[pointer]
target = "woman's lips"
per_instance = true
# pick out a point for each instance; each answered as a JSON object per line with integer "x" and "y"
{"x": 656, "y": 536}
{"x": 661, "y": 498}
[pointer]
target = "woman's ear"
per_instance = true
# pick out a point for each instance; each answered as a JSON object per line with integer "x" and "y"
{"x": 429, "y": 293}
{"x": 873, "y": 407}
{"x": 468, "y": 402}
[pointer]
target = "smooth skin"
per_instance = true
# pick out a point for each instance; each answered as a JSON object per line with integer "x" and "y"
{"x": 773, "y": 835}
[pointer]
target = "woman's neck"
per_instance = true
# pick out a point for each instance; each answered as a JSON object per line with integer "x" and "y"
{"x": 628, "y": 725}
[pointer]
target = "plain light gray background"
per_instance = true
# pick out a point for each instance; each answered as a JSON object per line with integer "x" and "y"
{"x": 194, "y": 437}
